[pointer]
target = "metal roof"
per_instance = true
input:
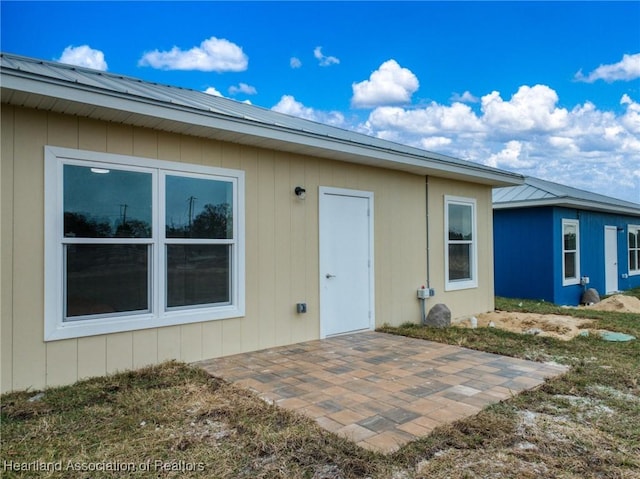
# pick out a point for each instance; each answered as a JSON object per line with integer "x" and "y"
{"x": 537, "y": 192}
{"x": 105, "y": 96}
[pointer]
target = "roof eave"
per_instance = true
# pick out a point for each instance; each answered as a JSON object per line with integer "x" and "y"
{"x": 569, "y": 203}
{"x": 139, "y": 111}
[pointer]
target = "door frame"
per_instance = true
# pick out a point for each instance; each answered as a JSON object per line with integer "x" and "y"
{"x": 615, "y": 246}
{"x": 324, "y": 191}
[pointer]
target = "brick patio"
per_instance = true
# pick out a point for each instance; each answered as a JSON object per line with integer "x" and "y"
{"x": 380, "y": 390}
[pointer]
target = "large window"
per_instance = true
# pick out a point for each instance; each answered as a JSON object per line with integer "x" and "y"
{"x": 133, "y": 243}
{"x": 634, "y": 249}
{"x": 570, "y": 252}
{"x": 461, "y": 264}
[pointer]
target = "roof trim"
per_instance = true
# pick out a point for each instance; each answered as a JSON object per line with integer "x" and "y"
{"x": 62, "y": 95}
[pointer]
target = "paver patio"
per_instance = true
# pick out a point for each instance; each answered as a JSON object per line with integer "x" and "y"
{"x": 377, "y": 389}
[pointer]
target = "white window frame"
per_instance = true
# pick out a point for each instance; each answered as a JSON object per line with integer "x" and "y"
{"x": 454, "y": 285}
{"x": 575, "y": 280}
{"x": 636, "y": 229}
{"x": 56, "y": 327}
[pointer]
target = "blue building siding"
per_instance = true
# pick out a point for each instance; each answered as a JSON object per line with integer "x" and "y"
{"x": 528, "y": 252}
{"x": 522, "y": 241}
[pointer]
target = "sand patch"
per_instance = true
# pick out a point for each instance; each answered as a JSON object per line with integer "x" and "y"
{"x": 618, "y": 303}
{"x": 560, "y": 327}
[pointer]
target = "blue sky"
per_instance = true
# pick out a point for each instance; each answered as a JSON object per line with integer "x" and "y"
{"x": 543, "y": 88}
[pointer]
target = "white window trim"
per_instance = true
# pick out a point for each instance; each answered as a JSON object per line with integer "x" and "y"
{"x": 55, "y": 326}
{"x": 576, "y": 280}
{"x": 454, "y": 285}
{"x": 632, "y": 272}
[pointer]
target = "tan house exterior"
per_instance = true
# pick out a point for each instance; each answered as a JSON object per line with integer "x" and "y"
{"x": 56, "y": 118}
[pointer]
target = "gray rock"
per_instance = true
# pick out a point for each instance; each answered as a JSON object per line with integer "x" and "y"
{"x": 439, "y": 316}
{"x": 590, "y": 296}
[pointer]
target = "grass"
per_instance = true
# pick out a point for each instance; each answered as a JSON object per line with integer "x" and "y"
{"x": 173, "y": 420}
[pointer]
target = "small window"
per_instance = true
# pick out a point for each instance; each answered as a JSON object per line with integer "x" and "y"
{"x": 133, "y": 243}
{"x": 570, "y": 252}
{"x": 634, "y": 249}
{"x": 461, "y": 263}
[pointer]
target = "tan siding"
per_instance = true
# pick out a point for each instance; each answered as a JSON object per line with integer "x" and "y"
{"x": 6, "y": 247}
{"x": 62, "y": 362}
{"x": 29, "y": 353}
{"x": 468, "y": 301}
{"x": 92, "y": 356}
{"x": 145, "y": 347}
{"x": 119, "y": 352}
{"x": 281, "y": 251}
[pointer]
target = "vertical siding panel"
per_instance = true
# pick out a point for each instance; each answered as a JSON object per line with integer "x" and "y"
{"x": 92, "y": 135}
{"x": 298, "y": 262}
{"x": 169, "y": 343}
{"x": 119, "y": 139}
{"x": 266, "y": 248}
{"x": 232, "y": 336}
{"x": 191, "y": 342}
{"x": 211, "y": 339}
{"x": 312, "y": 249}
{"x": 92, "y": 356}
{"x": 212, "y": 153}
{"x": 62, "y": 130}
{"x": 145, "y": 143}
{"x": 119, "y": 352}
{"x": 28, "y": 261}
{"x": 145, "y": 347}
{"x": 284, "y": 197}
{"x": 190, "y": 150}
{"x": 6, "y": 247}
{"x": 250, "y": 326}
{"x": 62, "y": 362}
{"x": 168, "y": 147}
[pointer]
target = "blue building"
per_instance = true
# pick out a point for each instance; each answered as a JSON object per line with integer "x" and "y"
{"x": 552, "y": 242}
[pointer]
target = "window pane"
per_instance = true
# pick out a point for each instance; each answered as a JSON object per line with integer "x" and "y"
{"x": 633, "y": 239}
{"x": 106, "y": 279}
{"x": 569, "y": 265}
{"x": 198, "y": 274}
{"x": 569, "y": 237}
{"x": 199, "y": 208}
{"x": 459, "y": 261}
{"x": 633, "y": 263}
{"x": 460, "y": 224}
{"x": 106, "y": 203}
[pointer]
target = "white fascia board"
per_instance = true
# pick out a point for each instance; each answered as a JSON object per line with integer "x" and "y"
{"x": 348, "y": 151}
{"x": 569, "y": 203}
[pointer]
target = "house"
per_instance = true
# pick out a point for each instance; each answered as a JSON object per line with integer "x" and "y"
{"x": 552, "y": 241}
{"x": 144, "y": 222}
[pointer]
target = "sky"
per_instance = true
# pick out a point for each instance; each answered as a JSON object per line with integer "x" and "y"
{"x": 546, "y": 89}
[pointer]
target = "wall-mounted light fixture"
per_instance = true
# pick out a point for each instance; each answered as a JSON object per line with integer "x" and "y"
{"x": 620, "y": 229}
{"x": 300, "y": 192}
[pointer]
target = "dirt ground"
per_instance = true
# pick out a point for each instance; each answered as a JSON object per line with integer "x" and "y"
{"x": 560, "y": 327}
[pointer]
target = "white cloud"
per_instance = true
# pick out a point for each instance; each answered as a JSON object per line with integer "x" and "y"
{"x": 626, "y": 69}
{"x": 530, "y": 109}
{"x": 295, "y": 62}
{"x": 242, "y": 88}
{"x": 290, "y": 106}
{"x": 586, "y": 147}
{"x": 213, "y": 54}
{"x": 84, "y": 56}
{"x": 466, "y": 97}
{"x": 213, "y": 91}
{"x": 390, "y": 84}
{"x": 324, "y": 61}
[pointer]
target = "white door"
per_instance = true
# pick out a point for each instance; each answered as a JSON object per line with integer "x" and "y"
{"x": 346, "y": 261}
{"x": 610, "y": 259}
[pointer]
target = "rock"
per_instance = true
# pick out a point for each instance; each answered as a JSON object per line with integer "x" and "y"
{"x": 590, "y": 296}
{"x": 439, "y": 316}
